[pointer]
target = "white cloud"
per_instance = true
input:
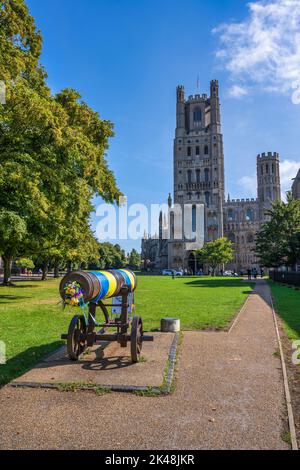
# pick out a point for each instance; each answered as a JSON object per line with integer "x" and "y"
{"x": 264, "y": 49}
{"x": 249, "y": 184}
{"x": 288, "y": 171}
{"x": 237, "y": 91}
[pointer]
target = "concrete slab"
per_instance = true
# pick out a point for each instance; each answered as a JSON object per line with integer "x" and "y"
{"x": 106, "y": 364}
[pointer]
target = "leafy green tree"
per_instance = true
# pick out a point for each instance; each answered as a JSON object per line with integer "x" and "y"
{"x": 12, "y": 233}
{"x": 52, "y": 153}
{"x": 134, "y": 259}
{"x": 216, "y": 253}
{"x": 278, "y": 241}
{"x": 25, "y": 263}
{"x": 111, "y": 256}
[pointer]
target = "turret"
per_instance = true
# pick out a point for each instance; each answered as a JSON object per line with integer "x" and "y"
{"x": 215, "y": 106}
{"x": 268, "y": 179}
{"x": 180, "y": 112}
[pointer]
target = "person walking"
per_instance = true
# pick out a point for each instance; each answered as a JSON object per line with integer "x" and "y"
{"x": 249, "y": 274}
{"x": 262, "y": 273}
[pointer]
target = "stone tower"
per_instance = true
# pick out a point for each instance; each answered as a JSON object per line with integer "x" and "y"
{"x": 268, "y": 180}
{"x": 199, "y": 157}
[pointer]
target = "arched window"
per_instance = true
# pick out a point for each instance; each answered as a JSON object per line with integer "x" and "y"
{"x": 189, "y": 176}
{"x": 250, "y": 238}
{"x": 197, "y": 115}
{"x": 267, "y": 168}
{"x": 189, "y": 151}
{"x": 231, "y": 215}
{"x": 207, "y": 198}
{"x": 206, "y": 175}
{"x": 249, "y": 215}
{"x": 172, "y": 225}
{"x": 198, "y": 176}
{"x": 194, "y": 219}
{"x": 197, "y": 150}
{"x": 206, "y": 150}
{"x": 231, "y": 237}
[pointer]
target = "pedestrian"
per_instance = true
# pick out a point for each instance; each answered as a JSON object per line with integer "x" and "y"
{"x": 262, "y": 273}
{"x": 249, "y": 274}
{"x": 255, "y": 273}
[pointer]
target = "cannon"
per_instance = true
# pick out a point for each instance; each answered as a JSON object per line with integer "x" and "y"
{"x": 89, "y": 290}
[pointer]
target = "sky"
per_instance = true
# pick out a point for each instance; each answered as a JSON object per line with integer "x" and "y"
{"x": 126, "y": 58}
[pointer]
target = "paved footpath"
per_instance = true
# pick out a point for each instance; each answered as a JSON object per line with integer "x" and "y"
{"x": 229, "y": 395}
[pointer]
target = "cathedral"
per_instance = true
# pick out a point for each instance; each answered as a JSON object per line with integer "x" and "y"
{"x": 199, "y": 192}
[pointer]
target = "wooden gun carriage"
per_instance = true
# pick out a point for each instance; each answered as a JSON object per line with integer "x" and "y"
{"x": 94, "y": 288}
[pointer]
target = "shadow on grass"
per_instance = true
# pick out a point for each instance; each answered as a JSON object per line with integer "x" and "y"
{"x": 25, "y": 361}
{"x": 219, "y": 283}
{"x": 6, "y": 299}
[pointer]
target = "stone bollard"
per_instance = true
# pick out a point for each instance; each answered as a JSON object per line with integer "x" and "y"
{"x": 170, "y": 325}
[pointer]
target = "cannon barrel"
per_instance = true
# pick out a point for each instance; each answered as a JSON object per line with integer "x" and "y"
{"x": 99, "y": 285}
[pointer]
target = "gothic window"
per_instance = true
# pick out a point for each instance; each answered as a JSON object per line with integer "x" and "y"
{"x": 194, "y": 219}
{"x": 197, "y": 150}
{"x": 189, "y": 151}
{"x": 250, "y": 238}
{"x": 273, "y": 168}
{"x": 267, "y": 168}
{"x": 206, "y": 150}
{"x": 206, "y": 175}
{"x": 262, "y": 170}
{"x": 231, "y": 237}
{"x": 207, "y": 198}
{"x": 231, "y": 215}
{"x": 198, "y": 174}
{"x": 189, "y": 176}
{"x": 249, "y": 215}
{"x": 172, "y": 224}
{"x": 197, "y": 115}
{"x": 189, "y": 196}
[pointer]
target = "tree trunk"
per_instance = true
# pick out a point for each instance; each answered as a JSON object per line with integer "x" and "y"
{"x": 69, "y": 266}
{"x": 45, "y": 271}
{"x": 7, "y": 261}
{"x": 56, "y": 270}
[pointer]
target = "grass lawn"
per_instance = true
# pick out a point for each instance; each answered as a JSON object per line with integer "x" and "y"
{"x": 31, "y": 320}
{"x": 287, "y": 306}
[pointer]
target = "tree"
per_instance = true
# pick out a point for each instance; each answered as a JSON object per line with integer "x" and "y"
{"x": 12, "y": 233}
{"x": 134, "y": 259}
{"x": 25, "y": 263}
{"x": 111, "y": 256}
{"x": 215, "y": 253}
{"x": 52, "y": 153}
{"x": 278, "y": 241}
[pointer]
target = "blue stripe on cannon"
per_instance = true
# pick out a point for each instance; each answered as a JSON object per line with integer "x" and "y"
{"x": 125, "y": 276}
{"x": 104, "y": 284}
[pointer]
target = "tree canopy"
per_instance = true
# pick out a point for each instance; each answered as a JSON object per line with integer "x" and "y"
{"x": 278, "y": 241}
{"x": 215, "y": 253}
{"x": 52, "y": 154}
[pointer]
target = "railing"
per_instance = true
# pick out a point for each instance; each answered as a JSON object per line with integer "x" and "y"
{"x": 286, "y": 277}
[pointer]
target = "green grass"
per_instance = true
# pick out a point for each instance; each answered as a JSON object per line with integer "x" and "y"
{"x": 287, "y": 306}
{"x": 200, "y": 302}
{"x": 32, "y": 320}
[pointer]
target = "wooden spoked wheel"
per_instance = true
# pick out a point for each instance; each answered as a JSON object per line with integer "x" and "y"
{"x": 136, "y": 338}
{"x": 76, "y": 342}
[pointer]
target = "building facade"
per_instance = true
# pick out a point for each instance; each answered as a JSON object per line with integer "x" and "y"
{"x": 296, "y": 186}
{"x": 199, "y": 182}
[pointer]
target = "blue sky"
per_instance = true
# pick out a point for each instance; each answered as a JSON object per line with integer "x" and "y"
{"x": 126, "y": 58}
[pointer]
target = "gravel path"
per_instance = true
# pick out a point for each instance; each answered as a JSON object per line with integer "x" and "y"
{"x": 229, "y": 395}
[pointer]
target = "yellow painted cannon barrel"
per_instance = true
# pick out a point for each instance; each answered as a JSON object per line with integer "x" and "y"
{"x": 83, "y": 287}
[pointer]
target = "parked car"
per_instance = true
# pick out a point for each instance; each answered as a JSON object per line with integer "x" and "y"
{"x": 170, "y": 272}
{"x": 167, "y": 272}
